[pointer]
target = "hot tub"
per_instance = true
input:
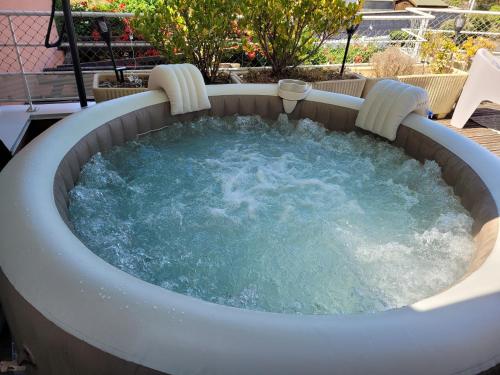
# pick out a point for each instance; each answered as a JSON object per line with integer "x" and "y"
{"x": 68, "y": 309}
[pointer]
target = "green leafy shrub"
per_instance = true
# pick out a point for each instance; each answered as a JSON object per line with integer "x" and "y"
{"x": 245, "y": 51}
{"x": 334, "y": 55}
{"x": 439, "y": 50}
{"x": 321, "y": 58}
{"x": 485, "y": 4}
{"x": 195, "y": 31}
{"x": 472, "y": 45}
{"x": 291, "y": 32}
{"x": 399, "y": 36}
{"x": 447, "y": 25}
{"x": 456, "y": 3}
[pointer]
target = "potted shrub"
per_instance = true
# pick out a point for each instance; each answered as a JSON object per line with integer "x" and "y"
{"x": 472, "y": 45}
{"x": 291, "y": 33}
{"x": 388, "y": 63}
{"x": 194, "y": 31}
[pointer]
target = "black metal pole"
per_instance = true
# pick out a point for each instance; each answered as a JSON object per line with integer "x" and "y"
{"x": 105, "y": 32}
{"x": 70, "y": 30}
{"x": 113, "y": 62}
{"x": 118, "y": 77}
{"x": 349, "y": 36}
{"x": 350, "y": 32}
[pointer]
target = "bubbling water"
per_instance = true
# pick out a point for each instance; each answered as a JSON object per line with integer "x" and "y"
{"x": 275, "y": 216}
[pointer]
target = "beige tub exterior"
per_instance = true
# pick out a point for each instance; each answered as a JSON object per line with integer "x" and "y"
{"x": 52, "y": 286}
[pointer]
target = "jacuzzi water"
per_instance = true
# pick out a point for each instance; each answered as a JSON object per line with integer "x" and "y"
{"x": 280, "y": 217}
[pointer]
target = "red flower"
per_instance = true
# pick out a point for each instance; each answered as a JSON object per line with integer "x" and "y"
{"x": 358, "y": 59}
{"x": 95, "y": 35}
{"x": 127, "y": 30}
{"x": 251, "y": 55}
{"x": 151, "y": 52}
{"x": 124, "y": 36}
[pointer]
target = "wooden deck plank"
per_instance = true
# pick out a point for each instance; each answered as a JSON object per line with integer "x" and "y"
{"x": 488, "y": 138}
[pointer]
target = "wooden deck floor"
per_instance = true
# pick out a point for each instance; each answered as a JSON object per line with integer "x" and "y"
{"x": 488, "y": 138}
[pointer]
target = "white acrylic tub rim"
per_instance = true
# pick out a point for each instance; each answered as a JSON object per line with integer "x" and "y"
{"x": 454, "y": 331}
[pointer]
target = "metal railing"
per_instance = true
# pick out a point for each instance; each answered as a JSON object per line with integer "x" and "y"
{"x": 30, "y": 73}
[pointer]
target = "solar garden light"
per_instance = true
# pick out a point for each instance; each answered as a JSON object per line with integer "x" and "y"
{"x": 459, "y": 25}
{"x": 351, "y": 29}
{"x": 105, "y": 33}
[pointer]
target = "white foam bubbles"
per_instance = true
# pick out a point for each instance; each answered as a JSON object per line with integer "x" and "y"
{"x": 280, "y": 216}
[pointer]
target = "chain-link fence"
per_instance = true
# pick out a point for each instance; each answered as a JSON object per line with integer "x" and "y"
{"x": 482, "y": 23}
{"x": 377, "y": 31}
{"x": 30, "y": 72}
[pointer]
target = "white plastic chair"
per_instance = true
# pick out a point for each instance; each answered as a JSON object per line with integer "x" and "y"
{"x": 483, "y": 84}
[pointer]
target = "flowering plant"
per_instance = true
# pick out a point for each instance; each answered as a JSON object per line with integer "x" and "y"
{"x": 290, "y": 32}
{"x": 195, "y": 31}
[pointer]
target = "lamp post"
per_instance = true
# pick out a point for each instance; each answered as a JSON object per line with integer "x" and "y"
{"x": 459, "y": 25}
{"x": 351, "y": 29}
{"x": 350, "y": 32}
{"x": 105, "y": 33}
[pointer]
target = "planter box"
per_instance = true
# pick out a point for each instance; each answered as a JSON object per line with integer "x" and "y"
{"x": 443, "y": 89}
{"x": 102, "y": 94}
{"x": 352, "y": 87}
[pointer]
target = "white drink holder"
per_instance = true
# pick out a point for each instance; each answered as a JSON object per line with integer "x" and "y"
{"x": 291, "y": 91}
